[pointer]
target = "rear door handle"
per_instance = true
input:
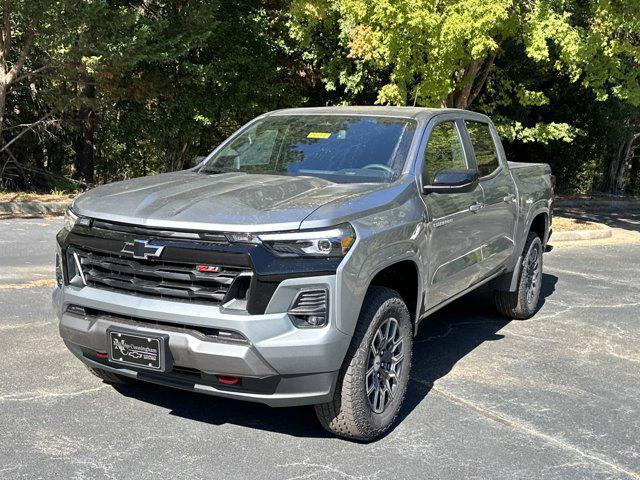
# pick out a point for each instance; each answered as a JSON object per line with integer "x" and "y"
{"x": 509, "y": 198}
{"x": 474, "y": 207}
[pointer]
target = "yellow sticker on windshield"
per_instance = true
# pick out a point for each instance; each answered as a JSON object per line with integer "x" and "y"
{"x": 319, "y": 135}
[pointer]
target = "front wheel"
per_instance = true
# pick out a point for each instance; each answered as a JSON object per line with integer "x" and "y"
{"x": 522, "y": 303}
{"x": 375, "y": 374}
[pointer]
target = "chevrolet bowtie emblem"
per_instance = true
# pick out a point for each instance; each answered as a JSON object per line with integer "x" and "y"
{"x": 142, "y": 249}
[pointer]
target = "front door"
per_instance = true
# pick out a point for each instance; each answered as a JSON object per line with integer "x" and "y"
{"x": 454, "y": 249}
{"x": 499, "y": 213}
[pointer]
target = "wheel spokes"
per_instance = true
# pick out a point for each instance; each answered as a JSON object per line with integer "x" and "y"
{"x": 533, "y": 275}
{"x": 385, "y": 358}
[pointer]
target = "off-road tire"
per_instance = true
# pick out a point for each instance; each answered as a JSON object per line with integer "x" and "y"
{"x": 350, "y": 414}
{"x": 108, "y": 377}
{"x": 516, "y": 304}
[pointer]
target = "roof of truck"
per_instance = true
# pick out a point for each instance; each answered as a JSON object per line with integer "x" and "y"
{"x": 407, "y": 112}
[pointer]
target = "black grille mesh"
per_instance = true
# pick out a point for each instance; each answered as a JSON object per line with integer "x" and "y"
{"x": 156, "y": 278}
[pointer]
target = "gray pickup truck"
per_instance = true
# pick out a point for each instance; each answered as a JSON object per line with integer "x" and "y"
{"x": 295, "y": 263}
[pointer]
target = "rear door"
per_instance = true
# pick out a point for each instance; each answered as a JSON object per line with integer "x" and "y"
{"x": 453, "y": 257}
{"x": 499, "y": 214}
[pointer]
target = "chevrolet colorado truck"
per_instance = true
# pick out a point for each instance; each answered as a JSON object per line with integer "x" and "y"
{"x": 293, "y": 265}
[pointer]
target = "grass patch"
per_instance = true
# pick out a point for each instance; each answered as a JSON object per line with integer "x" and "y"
{"x": 566, "y": 223}
{"x": 29, "y": 197}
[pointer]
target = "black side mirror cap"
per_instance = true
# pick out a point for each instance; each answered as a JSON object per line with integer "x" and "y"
{"x": 453, "y": 181}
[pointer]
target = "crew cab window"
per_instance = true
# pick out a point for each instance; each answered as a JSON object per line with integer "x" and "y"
{"x": 484, "y": 147}
{"x": 444, "y": 151}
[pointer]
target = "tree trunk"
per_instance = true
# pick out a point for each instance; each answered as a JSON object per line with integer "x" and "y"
{"x": 85, "y": 139}
{"x": 4, "y": 156}
{"x": 3, "y": 106}
{"x": 459, "y": 98}
{"x": 470, "y": 81}
{"x": 634, "y": 176}
{"x": 612, "y": 181}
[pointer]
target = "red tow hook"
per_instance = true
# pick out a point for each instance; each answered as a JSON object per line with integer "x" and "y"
{"x": 228, "y": 380}
{"x": 102, "y": 355}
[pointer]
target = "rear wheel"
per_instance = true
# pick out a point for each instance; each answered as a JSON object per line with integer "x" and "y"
{"x": 523, "y": 302}
{"x": 373, "y": 380}
{"x": 108, "y": 377}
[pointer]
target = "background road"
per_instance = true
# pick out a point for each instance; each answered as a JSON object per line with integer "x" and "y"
{"x": 557, "y": 396}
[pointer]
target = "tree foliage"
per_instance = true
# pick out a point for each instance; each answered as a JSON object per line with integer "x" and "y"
{"x": 442, "y": 52}
{"x": 92, "y": 91}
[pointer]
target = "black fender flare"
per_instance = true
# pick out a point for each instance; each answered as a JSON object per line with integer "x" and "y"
{"x": 509, "y": 281}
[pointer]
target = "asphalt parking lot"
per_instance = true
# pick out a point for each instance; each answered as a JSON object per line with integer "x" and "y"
{"x": 553, "y": 397}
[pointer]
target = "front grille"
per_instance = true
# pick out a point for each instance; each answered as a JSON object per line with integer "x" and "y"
{"x": 172, "y": 280}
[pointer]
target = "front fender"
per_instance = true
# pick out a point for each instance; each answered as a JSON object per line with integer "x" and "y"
{"x": 382, "y": 241}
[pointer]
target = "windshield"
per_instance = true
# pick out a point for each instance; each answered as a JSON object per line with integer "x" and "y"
{"x": 342, "y": 149}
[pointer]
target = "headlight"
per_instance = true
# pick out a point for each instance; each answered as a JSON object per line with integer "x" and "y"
{"x": 333, "y": 242}
{"x": 71, "y": 219}
{"x": 59, "y": 274}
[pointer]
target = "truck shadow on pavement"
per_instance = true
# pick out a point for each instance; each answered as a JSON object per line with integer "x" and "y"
{"x": 442, "y": 340}
{"x": 451, "y": 333}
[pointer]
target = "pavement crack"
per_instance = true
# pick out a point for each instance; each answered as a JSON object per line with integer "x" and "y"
{"x": 39, "y": 395}
{"x": 9, "y": 469}
{"x": 322, "y": 470}
{"x": 518, "y": 425}
{"x": 590, "y": 276}
{"x": 554, "y": 314}
{"x": 614, "y": 305}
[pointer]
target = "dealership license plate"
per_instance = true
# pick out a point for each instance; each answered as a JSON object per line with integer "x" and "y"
{"x": 144, "y": 351}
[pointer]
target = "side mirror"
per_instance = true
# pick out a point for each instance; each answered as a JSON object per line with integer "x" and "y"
{"x": 453, "y": 181}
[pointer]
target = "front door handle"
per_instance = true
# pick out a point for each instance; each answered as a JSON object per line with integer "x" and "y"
{"x": 474, "y": 207}
{"x": 509, "y": 198}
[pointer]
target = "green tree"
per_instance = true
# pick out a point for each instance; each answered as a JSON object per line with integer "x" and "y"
{"x": 181, "y": 76}
{"x": 442, "y": 52}
{"x": 144, "y": 86}
{"x": 17, "y": 37}
{"x": 104, "y": 90}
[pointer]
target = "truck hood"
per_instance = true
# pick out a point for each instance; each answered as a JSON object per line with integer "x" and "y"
{"x": 232, "y": 202}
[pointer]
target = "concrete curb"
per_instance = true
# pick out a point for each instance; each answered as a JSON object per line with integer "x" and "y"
{"x": 33, "y": 208}
{"x": 576, "y": 235}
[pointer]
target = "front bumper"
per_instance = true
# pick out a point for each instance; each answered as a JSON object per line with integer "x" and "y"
{"x": 279, "y": 364}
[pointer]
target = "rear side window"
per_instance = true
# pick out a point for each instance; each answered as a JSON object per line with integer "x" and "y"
{"x": 444, "y": 151}
{"x": 484, "y": 148}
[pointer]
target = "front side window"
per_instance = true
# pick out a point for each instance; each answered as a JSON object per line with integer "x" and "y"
{"x": 483, "y": 146}
{"x": 339, "y": 148}
{"x": 444, "y": 151}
